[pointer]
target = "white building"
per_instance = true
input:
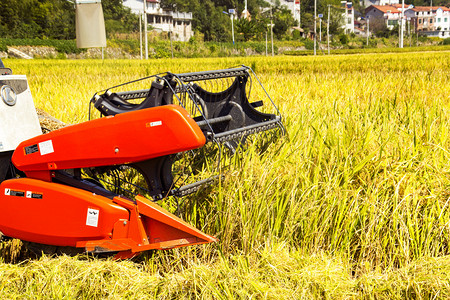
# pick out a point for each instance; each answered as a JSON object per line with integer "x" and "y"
{"x": 348, "y": 17}
{"x": 431, "y": 21}
{"x": 443, "y": 21}
{"x": 293, "y": 6}
{"x": 179, "y": 23}
{"x": 348, "y": 14}
{"x": 367, "y": 3}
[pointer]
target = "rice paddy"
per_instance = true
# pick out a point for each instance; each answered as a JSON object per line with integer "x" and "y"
{"x": 352, "y": 203}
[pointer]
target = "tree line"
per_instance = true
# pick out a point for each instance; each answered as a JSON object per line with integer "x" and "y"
{"x": 55, "y": 19}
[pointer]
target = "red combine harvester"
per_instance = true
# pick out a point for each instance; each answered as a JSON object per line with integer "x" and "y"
{"x": 92, "y": 186}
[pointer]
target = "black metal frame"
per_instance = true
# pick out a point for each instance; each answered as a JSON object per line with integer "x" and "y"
{"x": 225, "y": 115}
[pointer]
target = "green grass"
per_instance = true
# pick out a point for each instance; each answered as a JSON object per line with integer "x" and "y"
{"x": 352, "y": 203}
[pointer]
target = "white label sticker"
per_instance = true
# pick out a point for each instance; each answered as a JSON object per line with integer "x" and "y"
{"x": 7, "y": 192}
{"x": 46, "y": 147}
{"x": 29, "y": 194}
{"x": 92, "y": 217}
{"x": 156, "y": 123}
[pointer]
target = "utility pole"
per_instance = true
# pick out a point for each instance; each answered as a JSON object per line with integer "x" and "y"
{"x": 171, "y": 46}
{"x": 299, "y": 13}
{"x": 320, "y": 30}
{"x": 409, "y": 31}
{"x": 315, "y": 25}
{"x": 266, "y": 42}
{"x": 271, "y": 26}
{"x": 328, "y": 29}
{"x": 232, "y": 26}
{"x": 174, "y": 11}
{"x": 293, "y": 7}
{"x": 401, "y": 24}
{"x": 271, "y": 34}
{"x": 417, "y": 32}
{"x": 231, "y": 14}
{"x": 140, "y": 33}
{"x": 145, "y": 30}
{"x": 245, "y": 10}
{"x": 368, "y": 31}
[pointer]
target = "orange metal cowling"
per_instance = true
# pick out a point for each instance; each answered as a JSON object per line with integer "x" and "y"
{"x": 38, "y": 210}
{"x": 150, "y": 227}
{"x": 55, "y": 214}
{"x": 120, "y": 139}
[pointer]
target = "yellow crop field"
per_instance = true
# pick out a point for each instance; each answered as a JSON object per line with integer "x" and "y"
{"x": 354, "y": 202}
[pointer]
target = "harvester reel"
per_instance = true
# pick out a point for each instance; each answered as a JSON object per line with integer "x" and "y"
{"x": 217, "y": 100}
{"x": 69, "y": 191}
{"x": 156, "y": 178}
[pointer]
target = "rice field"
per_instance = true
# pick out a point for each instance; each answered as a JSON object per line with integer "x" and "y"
{"x": 352, "y": 203}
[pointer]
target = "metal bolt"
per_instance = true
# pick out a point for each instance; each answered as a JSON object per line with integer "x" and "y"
{"x": 116, "y": 150}
{"x": 125, "y": 222}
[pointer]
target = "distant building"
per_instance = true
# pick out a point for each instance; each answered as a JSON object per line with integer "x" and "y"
{"x": 179, "y": 23}
{"x": 367, "y": 3}
{"x": 361, "y": 32}
{"x": 431, "y": 21}
{"x": 349, "y": 17}
{"x": 427, "y": 20}
{"x": 391, "y": 14}
{"x": 348, "y": 14}
{"x": 361, "y": 27}
{"x": 443, "y": 21}
{"x": 293, "y": 6}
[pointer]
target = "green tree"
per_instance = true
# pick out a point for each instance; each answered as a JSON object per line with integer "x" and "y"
{"x": 282, "y": 20}
{"x": 209, "y": 19}
{"x": 119, "y": 19}
{"x": 55, "y": 19}
{"x": 247, "y": 29}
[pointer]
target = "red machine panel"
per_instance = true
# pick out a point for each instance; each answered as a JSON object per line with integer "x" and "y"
{"x": 55, "y": 214}
{"x": 150, "y": 227}
{"x": 124, "y": 138}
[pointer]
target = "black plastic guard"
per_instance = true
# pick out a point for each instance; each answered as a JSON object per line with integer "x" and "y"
{"x": 5, "y": 164}
{"x": 233, "y": 102}
{"x": 110, "y": 104}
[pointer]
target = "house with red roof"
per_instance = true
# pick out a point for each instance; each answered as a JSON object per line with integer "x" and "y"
{"x": 427, "y": 20}
{"x": 390, "y": 13}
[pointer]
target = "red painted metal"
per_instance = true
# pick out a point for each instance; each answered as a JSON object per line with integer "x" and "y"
{"x": 37, "y": 210}
{"x": 150, "y": 227}
{"x": 124, "y": 138}
{"x": 55, "y": 214}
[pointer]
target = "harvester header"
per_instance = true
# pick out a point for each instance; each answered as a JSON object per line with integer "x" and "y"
{"x": 92, "y": 186}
